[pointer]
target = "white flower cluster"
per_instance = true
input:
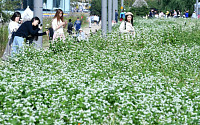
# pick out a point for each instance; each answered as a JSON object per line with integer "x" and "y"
{"x": 107, "y": 81}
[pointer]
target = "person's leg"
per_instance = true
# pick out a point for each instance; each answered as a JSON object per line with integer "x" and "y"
{"x": 77, "y": 33}
{"x": 55, "y": 36}
{"x": 90, "y": 24}
{"x": 20, "y": 42}
{"x": 17, "y": 45}
{"x": 7, "y": 52}
{"x": 14, "y": 46}
{"x": 63, "y": 37}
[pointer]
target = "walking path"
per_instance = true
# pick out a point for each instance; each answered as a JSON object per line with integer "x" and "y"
{"x": 93, "y": 29}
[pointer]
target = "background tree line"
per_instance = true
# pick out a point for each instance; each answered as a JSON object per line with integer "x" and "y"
{"x": 8, "y": 5}
{"x": 160, "y": 5}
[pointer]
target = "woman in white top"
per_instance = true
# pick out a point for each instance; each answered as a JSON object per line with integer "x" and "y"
{"x": 58, "y": 24}
{"x": 12, "y": 27}
{"x": 127, "y": 25}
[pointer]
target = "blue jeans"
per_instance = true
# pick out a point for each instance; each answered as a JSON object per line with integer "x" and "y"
{"x": 17, "y": 45}
{"x": 77, "y": 32}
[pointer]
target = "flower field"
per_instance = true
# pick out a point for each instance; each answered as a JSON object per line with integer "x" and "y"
{"x": 150, "y": 79}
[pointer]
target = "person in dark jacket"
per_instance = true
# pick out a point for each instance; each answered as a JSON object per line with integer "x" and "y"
{"x": 24, "y": 31}
{"x": 70, "y": 27}
{"x": 116, "y": 16}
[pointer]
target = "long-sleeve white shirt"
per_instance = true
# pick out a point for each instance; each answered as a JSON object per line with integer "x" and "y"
{"x": 128, "y": 28}
{"x": 12, "y": 27}
{"x": 55, "y": 25}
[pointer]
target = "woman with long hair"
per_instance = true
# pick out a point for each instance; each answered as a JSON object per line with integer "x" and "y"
{"x": 127, "y": 25}
{"x": 58, "y": 24}
{"x": 26, "y": 29}
{"x": 15, "y": 22}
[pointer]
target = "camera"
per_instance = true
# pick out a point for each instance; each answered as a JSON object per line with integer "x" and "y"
{"x": 20, "y": 21}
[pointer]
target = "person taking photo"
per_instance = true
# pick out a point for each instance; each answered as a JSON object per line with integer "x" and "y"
{"x": 24, "y": 31}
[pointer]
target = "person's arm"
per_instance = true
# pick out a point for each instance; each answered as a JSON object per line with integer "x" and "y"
{"x": 65, "y": 23}
{"x": 32, "y": 31}
{"x": 55, "y": 25}
{"x": 41, "y": 34}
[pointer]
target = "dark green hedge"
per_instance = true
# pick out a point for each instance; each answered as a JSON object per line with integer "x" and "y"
{"x": 140, "y": 11}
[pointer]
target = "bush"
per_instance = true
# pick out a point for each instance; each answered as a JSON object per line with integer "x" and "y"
{"x": 3, "y": 38}
{"x": 6, "y": 17}
{"x": 140, "y": 11}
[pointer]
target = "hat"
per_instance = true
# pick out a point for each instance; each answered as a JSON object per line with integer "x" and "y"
{"x": 80, "y": 29}
{"x": 128, "y": 13}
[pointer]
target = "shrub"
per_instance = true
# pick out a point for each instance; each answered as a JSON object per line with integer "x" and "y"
{"x": 139, "y": 11}
{"x": 3, "y": 38}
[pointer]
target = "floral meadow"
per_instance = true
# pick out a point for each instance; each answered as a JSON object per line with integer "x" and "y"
{"x": 150, "y": 79}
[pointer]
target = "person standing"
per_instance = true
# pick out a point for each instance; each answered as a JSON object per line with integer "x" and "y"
{"x": 178, "y": 13}
{"x": 58, "y": 25}
{"x": 116, "y": 16}
{"x": 122, "y": 16}
{"x": 95, "y": 20}
{"x": 90, "y": 22}
{"x": 12, "y": 27}
{"x": 127, "y": 25}
{"x": 26, "y": 29}
{"x": 150, "y": 14}
{"x": 175, "y": 14}
{"x": 167, "y": 14}
{"x": 70, "y": 27}
{"x": 186, "y": 14}
{"x": 77, "y": 26}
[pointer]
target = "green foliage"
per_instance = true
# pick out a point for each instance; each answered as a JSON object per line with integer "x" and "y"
{"x": 11, "y": 4}
{"x": 176, "y": 36}
{"x": 154, "y": 4}
{"x": 166, "y": 5}
{"x": 3, "y": 38}
{"x": 128, "y": 3}
{"x": 8, "y": 5}
{"x": 6, "y": 17}
{"x": 60, "y": 46}
{"x": 150, "y": 79}
{"x": 140, "y": 11}
{"x": 95, "y": 7}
